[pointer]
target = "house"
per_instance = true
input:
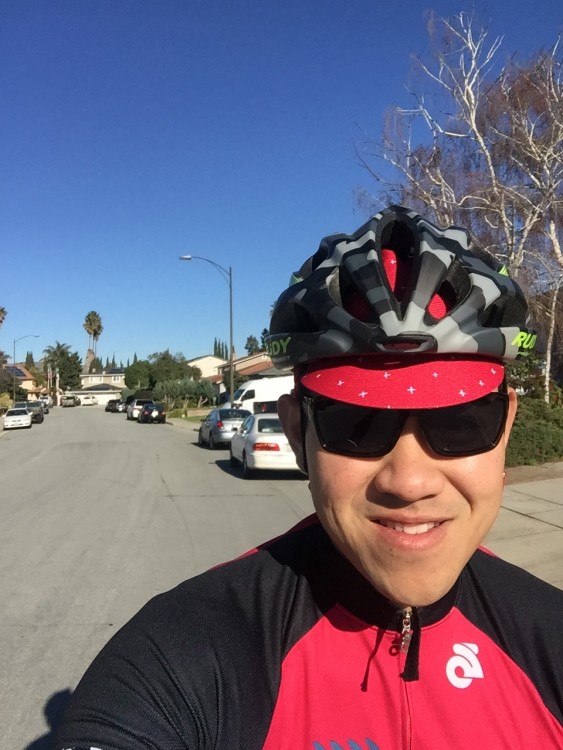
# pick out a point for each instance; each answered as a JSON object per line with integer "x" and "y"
{"x": 208, "y": 365}
{"x": 114, "y": 377}
{"x": 22, "y": 376}
{"x": 253, "y": 365}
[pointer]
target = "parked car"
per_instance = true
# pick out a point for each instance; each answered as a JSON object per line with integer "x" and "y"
{"x": 15, "y": 418}
{"x": 135, "y": 407}
{"x": 220, "y": 425}
{"x": 46, "y": 399}
{"x": 121, "y": 407}
{"x": 152, "y": 413}
{"x": 88, "y": 400}
{"x": 69, "y": 400}
{"x": 35, "y": 408}
{"x": 260, "y": 444}
{"x": 112, "y": 404}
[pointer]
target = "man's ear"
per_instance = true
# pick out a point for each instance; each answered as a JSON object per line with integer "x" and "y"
{"x": 512, "y": 408}
{"x": 289, "y": 412}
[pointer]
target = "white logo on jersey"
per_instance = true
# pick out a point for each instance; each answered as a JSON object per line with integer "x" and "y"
{"x": 463, "y": 668}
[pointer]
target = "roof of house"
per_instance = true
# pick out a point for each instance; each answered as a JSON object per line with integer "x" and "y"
{"x": 18, "y": 371}
{"x": 100, "y": 388}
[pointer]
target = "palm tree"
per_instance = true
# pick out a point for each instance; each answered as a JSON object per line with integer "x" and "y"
{"x": 93, "y": 327}
{"x": 3, "y": 313}
{"x": 53, "y": 354}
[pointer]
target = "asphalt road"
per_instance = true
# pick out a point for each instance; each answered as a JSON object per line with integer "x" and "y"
{"x": 98, "y": 515}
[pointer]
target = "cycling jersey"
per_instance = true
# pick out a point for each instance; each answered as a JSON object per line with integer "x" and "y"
{"x": 289, "y": 647}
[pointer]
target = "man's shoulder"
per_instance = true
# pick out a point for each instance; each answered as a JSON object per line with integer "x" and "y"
{"x": 506, "y": 579}
{"x": 256, "y": 582}
{"x": 501, "y": 594}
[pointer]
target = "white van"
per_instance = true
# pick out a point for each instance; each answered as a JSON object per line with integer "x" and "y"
{"x": 255, "y": 393}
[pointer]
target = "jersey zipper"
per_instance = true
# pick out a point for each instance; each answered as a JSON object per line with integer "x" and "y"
{"x": 409, "y": 630}
{"x": 406, "y": 629}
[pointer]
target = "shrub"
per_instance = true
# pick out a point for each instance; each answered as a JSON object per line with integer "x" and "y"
{"x": 537, "y": 434}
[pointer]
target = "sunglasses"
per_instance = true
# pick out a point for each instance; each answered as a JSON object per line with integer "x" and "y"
{"x": 453, "y": 431}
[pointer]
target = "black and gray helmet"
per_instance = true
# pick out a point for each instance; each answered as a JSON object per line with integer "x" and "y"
{"x": 399, "y": 284}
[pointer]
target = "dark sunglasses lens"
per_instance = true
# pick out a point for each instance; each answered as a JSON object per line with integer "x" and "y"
{"x": 354, "y": 430}
{"x": 466, "y": 429}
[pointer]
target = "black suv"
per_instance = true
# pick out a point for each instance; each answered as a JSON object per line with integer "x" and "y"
{"x": 35, "y": 408}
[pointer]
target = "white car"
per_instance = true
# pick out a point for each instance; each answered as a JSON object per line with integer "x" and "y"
{"x": 15, "y": 418}
{"x": 88, "y": 400}
{"x": 259, "y": 444}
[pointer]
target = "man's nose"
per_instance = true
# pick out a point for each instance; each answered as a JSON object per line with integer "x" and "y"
{"x": 411, "y": 471}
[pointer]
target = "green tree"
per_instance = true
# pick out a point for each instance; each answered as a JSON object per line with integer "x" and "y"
{"x": 165, "y": 366}
{"x": 39, "y": 376}
{"x": 251, "y": 345}
{"x": 66, "y": 362}
{"x": 3, "y": 313}
{"x": 137, "y": 375}
{"x": 29, "y": 363}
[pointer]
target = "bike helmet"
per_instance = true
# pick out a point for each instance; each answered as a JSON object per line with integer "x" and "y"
{"x": 399, "y": 314}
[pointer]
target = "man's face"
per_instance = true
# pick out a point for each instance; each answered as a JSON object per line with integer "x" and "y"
{"x": 410, "y": 520}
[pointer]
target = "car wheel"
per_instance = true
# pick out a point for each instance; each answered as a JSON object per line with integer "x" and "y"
{"x": 199, "y": 439}
{"x": 247, "y": 473}
{"x": 232, "y": 460}
{"x": 212, "y": 445}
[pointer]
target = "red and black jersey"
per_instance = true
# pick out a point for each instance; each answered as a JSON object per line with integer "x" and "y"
{"x": 290, "y": 648}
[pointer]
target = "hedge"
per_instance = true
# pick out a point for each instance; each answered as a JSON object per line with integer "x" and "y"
{"x": 537, "y": 434}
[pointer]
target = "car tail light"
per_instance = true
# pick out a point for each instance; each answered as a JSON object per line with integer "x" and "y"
{"x": 220, "y": 425}
{"x": 265, "y": 447}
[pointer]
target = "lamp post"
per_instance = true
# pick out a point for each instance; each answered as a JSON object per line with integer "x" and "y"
{"x": 228, "y": 276}
{"x": 27, "y": 336}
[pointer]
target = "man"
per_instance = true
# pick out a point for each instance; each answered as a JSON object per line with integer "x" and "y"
{"x": 377, "y": 624}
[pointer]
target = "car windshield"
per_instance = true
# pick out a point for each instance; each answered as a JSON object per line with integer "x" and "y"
{"x": 241, "y": 414}
{"x": 16, "y": 412}
{"x": 269, "y": 425}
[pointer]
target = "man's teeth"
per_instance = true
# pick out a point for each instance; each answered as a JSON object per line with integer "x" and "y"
{"x": 410, "y": 528}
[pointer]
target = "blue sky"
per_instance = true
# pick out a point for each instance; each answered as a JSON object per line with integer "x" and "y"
{"x": 135, "y": 131}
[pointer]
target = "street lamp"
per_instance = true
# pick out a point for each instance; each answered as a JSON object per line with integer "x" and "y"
{"x": 228, "y": 276}
{"x": 27, "y": 336}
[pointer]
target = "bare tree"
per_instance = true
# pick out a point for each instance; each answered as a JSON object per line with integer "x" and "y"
{"x": 482, "y": 146}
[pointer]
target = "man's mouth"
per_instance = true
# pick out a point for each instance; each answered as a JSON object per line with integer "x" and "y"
{"x": 410, "y": 528}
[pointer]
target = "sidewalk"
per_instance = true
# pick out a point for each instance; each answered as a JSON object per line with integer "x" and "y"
{"x": 529, "y": 529}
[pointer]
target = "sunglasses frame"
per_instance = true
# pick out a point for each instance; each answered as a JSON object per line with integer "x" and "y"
{"x": 310, "y": 410}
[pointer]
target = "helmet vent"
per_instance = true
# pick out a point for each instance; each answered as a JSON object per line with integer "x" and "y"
{"x": 453, "y": 289}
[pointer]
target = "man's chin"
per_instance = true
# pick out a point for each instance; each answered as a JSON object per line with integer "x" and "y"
{"x": 413, "y": 594}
